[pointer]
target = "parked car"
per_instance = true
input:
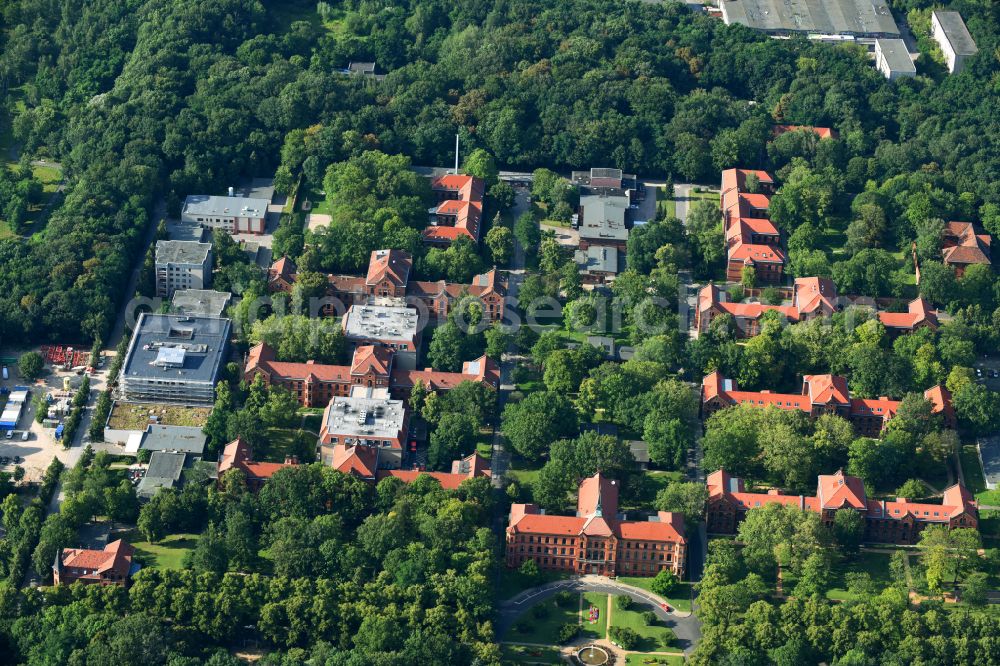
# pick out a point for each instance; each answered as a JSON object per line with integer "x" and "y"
{"x": 10, "y": 434}
{"x": 24, "y": 436}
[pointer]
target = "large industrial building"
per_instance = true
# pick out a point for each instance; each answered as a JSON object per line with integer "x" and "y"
{"x": 845, "y": 18}
{"x": 949, "y": 31}
{"x": 174, "y": 358}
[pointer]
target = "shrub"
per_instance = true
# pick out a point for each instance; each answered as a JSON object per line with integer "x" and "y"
{"x": 568, "y": 632}
{"x": 623, "y": 636}
{"x": 623, "y": 602}
{"x": 664, "y": 582}
{"x": 771, "y": 296}
{"x": 565, "y": 598}
{"x": 529, "y": 569}
{"x": 649, "y": 617}
{"x": 540, "y": 612}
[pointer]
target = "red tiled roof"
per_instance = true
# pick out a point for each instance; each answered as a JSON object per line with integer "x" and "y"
{"x": 821, "y": 132}
{"x": 116, "y": 556}
{"x": 815, "y": 293}
{"x": 963, "y": 245}
{"x": 538, "y": 523}
{"x": 763, "y": 254}
{"x": 597, "y": 493}
{"x": 392, "y": 264}
{"x": 824, "y": 389}
{"x": 445, "y": 233}
{"x": 361, "y": 461}
{"x": 883, "y": 407}
{"x": 940, "y": 399}
{"x": 368, "y": 358}
{"x": 237, "y": 455}
{"x": 836, "y": 490}
{"x": 467, "y": 209}
{"x": 757, "y": 310}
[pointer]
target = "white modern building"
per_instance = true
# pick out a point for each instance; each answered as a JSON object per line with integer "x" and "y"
{"x": 893, "y": 60}
{"x": 237, "y": 215}
{"x": 182, "y": 265}
{"x": 949, "y": 31}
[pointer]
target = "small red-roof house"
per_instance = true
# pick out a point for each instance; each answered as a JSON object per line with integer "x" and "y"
{"x": 821, "y": 132}
{"x": 237, "y": 455}
{"x": 110, "y": 566}
{"x": 963, "y": 245}
{"x": 388, "y": 273}
{"x": 814, "y": 297}
{"x": 919, "y": 314}
{"x": 596, "y": 540}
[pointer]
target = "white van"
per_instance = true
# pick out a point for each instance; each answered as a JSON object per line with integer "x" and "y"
{"x": 24, "y": 436}
{"x": 5, "y": 374}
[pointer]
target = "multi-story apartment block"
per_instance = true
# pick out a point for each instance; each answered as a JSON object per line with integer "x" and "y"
{"x": 182, "y": 265}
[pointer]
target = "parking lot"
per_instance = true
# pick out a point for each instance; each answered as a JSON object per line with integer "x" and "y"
{"x": 988, "y": 372}
{"x": 35, "y": 453}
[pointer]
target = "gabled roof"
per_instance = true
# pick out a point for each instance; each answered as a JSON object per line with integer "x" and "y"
{"x": 814, "y": 294}
{"x": 837, "y": 490}
{"x": 757, "y": 254}
{"x": 940, "y": 399}
{"x": 371, "y": 359}
{"x": 393, "y": 265}
{"x": 361, "y": 461}
{"x": 597, "y": 496}
{"x": 284, "y": 267}
{"x": 116, "y": 556}
{"x": 962, "y": 244}
{"x": 825, "y": 389}
{"x": 237, "y": 455}
{"x": 918, "y": 312}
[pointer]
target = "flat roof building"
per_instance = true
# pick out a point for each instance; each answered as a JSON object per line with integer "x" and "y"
{"x": 369, "y": 418}
{"x": 237, "y": 215}
{"x": 597, "y": 263}
{"x": 893, "y": 59}
{"x": 854, "y": 18}
{"x": 182, "y": 439}
{"x": 174, "y": 358}
{"x": 393, "y": 326}
{"x": 602, "y": 220}
{"x": 200, "y": 302}
{"x": 182, "y": 265}
{"x": 949, "y": 31}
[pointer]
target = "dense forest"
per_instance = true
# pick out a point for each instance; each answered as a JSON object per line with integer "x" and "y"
{"x": 162, "y": 98}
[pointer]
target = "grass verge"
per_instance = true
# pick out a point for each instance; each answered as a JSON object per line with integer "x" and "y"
{"x": 165, "y": 554}
{"x": 679, "y": 597}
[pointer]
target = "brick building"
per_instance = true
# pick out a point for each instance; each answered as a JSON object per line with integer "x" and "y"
{"x": 899, "y": 521}
{"x": 111, "y": 566}
{"x": 237, "y": 455}
{"x": 751, "y": 238}
{"x": 315, "y": 384}
{"x": 596, "y": 540}
{"x": 821, "y": 394}
{"x": 963, "y": 245}
{"x": 459, "y": 210}
{"x": 389, "y": 277}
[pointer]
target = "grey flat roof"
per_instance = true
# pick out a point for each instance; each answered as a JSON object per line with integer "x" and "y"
{"x": 896, "y": 55}
{"x": 989, "y": 454}
{"x": 200, "y": 302}
{"x": 182, "y": 252}
{"x": 185, "y": 439}
{"x": 826, "y": 17}
{"x": 219, "y": 206}
{"x": 381, "y": 322}
{"x": 163, "y": 472}
{"x": 598, "y": 258}
{"x": 603, "y": 217}
{"x": 185, "y": 231}
{"x": 366, "y": 414}
{"x": 202, "y": 339}
{"x": 956, "y": 33}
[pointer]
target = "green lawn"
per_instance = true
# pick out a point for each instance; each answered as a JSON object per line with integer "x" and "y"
{"x": 651, "y": 483}
{"x": 319, "y": 202}
{"x": 654, "y": 638}
{"x": 679, "y": 598}
{"x": 989, "y": 526}
{"x": 522, "y": 471}
{"x": 166, "y": 554}
{"x": 49, "y": 176}
{"x": 638, "y": 659}
{"x": 974, "y": 480}
{"x": 511, "y": 653}
{"x": 287, "y": 442}
{"x": 875, "y": 565}
{"x": 597, "y": 629}
{"x": 545, "y": 629}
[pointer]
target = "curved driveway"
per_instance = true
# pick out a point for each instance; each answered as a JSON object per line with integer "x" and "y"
{"x": 686, "y": 627}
